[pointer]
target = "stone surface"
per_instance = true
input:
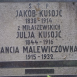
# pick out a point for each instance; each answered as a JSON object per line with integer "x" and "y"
{"x": 38, "y": 31}
{"x": 42, "y": 41}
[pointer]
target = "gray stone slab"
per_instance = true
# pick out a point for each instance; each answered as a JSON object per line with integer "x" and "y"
{"x": 38, "y": 32}
{"x": 29, "y": 32}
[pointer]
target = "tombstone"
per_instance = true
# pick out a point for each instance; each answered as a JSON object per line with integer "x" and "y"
{"x": 38, "y": 38}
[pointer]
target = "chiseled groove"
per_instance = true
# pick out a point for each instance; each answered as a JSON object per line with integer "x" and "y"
{"x": 45, "y": 76}
{"x": 29, "y": 64}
